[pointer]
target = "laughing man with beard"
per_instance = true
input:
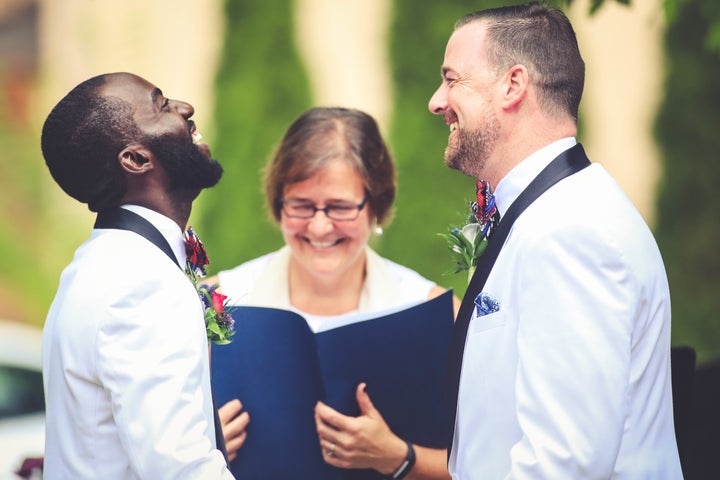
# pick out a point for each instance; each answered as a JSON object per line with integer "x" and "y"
{"x": 561, "y": 356}
{"x": 125, "y": 357}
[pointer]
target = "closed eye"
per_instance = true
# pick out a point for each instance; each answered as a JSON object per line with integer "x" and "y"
{"x": 299, "y": 206}
{"x": 157, "y": 96}
{"x": 448, "y": 75}
{"x": 341, "y": 208}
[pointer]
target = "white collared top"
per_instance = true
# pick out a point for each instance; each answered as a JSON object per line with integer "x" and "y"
{"x": 125, "y": 365}
{"x": 264, "y": 282}
{"x": 570, "y": 377}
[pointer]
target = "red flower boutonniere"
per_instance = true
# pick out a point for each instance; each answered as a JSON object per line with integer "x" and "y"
{"x": 219, "y": 324}
{"x": 197, "y": 257}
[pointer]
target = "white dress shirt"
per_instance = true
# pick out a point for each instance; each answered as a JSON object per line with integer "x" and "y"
{"x": 125, "y": 365}
{"x": 570, "y": 379}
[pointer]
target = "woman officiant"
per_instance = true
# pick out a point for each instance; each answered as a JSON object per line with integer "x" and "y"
{"x": 329, "y": 186}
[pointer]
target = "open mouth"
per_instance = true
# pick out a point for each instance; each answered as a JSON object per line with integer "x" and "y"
{"x": 194, "y": 134}
{"x": 196, "y": 138}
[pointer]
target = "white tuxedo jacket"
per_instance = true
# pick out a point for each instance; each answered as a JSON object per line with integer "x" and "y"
{"x": 125, "y": 365}
{"x": 570, "y": 378}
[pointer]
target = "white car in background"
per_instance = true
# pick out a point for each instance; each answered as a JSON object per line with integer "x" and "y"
{"x": 22, "y": 405}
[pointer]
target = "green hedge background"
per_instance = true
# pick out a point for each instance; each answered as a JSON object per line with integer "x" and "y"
{"x": 688, "y": 227}
{"x": 261, "y": 87}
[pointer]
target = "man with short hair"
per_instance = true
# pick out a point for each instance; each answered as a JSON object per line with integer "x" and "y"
{"x": 125, "y": 354}
{"x": 562, "y": 343}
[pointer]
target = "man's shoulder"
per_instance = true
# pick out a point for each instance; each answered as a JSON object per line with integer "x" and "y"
{"x": 121, "y": 246}
{"x": 112, "y": 257}
{"x": 589, "y": 214}
{"x": 590, "y": 197}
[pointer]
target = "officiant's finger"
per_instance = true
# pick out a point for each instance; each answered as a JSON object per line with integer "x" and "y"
{"x": 229, "y": 411}
{"x": 234, "y": 425}
{"x": 235, "y": 434}
{"x": 332, "y": 453}
{"x": 363, "y": 400}
{"x": 329, "y": 417}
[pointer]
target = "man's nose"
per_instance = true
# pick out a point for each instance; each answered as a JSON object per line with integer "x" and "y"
{"x": 438, "y": 102}
{"x": 184, "y": 109}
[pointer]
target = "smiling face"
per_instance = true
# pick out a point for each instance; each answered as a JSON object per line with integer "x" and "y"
{"x": 465, "y": 100}
{"x": 324, "y": 248}
{"x": 168, "y": 132}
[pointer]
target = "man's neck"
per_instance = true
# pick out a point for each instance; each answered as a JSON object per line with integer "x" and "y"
{"x": 519, "y": 146}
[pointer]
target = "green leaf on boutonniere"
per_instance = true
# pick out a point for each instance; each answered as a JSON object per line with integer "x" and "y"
{"x": 466, "y": 244}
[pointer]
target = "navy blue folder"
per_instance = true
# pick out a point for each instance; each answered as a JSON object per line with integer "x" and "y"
{"x": 279, "y": 369}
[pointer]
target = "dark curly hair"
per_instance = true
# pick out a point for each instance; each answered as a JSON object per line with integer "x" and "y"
{"x": 81, "y": 139}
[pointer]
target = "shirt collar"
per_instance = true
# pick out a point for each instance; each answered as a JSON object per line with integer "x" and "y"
{"x": 167, "y": 228}
{"x": 517, "y": 180}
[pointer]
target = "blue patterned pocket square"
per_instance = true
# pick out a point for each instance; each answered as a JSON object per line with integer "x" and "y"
{"x": 485, "y": 304}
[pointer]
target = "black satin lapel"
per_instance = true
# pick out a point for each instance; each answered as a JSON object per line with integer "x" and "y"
{"x": 123, "y": 219}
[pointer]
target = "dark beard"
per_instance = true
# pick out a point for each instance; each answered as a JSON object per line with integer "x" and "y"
{"x": 187, "y": 167}
{"x": 466, "y": 154}
{"x": 472, "y": 149}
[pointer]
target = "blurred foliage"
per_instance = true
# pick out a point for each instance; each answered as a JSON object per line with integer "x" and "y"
{"x": 709, "y": 11}
{"x": 35, "y": 243}
{"x": 431, "y": 198}
{"x": 257, "y": 99}
{"x": 596, "y": 4}
{"x": 261, "y": 88}
{"x": 688, "y": 230}
{"x": 25, "y": 288}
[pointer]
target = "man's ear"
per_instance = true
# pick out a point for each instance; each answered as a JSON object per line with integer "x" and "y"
{"x": 136, "y": 159}
{"x": 516, "y": 85}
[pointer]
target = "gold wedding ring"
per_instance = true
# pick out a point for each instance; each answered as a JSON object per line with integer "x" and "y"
{"x": 331, "y": 452}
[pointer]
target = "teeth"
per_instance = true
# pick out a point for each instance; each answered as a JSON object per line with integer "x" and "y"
{"x": 453, "y": 126}
{"x": 196, "y": 137}
{"x": 322, "y": 244}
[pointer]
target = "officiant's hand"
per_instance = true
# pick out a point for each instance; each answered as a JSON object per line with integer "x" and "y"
{"x": 358, "y": 442}
{"x": 234, "y": 425}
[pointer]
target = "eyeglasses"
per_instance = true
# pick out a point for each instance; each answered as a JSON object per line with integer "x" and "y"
{"x": 341, "y": 212}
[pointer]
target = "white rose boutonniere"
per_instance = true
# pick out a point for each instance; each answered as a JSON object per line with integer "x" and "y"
{"x": 466, "y": 244}
{"x": 469, "y": 242}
